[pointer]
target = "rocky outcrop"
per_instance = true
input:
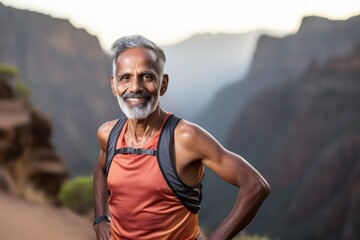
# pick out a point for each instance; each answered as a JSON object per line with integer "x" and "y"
{"x": 304, "y": 136}
{"x": 29, "y": 165}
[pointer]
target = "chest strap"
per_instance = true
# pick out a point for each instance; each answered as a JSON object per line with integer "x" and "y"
{"x": 138, "y": 151}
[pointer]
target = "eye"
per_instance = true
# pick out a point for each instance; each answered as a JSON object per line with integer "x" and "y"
{"x": 147, "y": 77}
{"x": 125, "y": 78}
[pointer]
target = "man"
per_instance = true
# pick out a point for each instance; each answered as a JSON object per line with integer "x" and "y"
{"x": 148, "y": 177}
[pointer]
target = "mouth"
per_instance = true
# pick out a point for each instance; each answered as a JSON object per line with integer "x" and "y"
{"x": 136, "y": 101}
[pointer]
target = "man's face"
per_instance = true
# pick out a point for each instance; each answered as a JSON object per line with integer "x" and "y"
{"x": 137, "y": 84}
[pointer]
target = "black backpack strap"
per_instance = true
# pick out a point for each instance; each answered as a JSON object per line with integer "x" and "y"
{"x": 112, "y": 140}
{"x": 189, "y": 196}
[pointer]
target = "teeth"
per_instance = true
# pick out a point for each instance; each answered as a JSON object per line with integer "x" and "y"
{"x": 135, "y": 100}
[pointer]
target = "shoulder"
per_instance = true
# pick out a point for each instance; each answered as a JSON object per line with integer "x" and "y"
{"x": 190, "y": 131}
{"x": 192, "y": 137}
{"x": 104, "y": 131}
{"x": 186, "y": 130}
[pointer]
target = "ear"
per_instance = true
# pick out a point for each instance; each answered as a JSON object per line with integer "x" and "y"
{"x": 164, "y": 84}
{"x": 111, "y": 81}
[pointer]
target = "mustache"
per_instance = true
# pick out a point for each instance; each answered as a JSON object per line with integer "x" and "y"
{"x": 139, "y": 95}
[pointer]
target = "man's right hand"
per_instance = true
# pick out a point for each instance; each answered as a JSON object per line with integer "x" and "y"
{"x": 102, "y": 230}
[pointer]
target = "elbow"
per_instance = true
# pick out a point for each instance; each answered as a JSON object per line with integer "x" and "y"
{"x": 258, "y": 188}
{"x": 263, "y": 188}
{"x": 267, "y": 189}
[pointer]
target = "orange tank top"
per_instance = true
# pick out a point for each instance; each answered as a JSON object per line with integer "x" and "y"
{"x": 141, "y": 203}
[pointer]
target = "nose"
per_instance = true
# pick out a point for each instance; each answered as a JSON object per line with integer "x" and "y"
{"x": 136, "y": 85}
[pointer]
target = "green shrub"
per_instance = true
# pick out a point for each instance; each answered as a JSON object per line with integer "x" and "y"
{"x": 8, "y": 70}
{"x": 252, "y": 237}
{"x": 21, "y": 90}
{"x": 77, "y": 194}
{"x": 11, "y": 74}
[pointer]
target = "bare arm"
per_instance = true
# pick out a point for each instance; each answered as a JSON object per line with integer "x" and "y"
{"x": 100, "y": 185}
{"x": 253, "y": 189}
{"x": 196, "y": 143}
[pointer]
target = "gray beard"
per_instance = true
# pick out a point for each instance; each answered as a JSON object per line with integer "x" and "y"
{"x": 138, "y": 112}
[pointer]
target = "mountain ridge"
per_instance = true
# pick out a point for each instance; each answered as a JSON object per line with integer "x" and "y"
{"x": 275, "y": 60}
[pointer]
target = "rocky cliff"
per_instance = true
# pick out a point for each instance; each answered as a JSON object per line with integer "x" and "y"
{"x": 304, "y": 136}
{"x": 67, "y": 72}
{"x": 29, "y": 165}
{"x": 277, "y": 60}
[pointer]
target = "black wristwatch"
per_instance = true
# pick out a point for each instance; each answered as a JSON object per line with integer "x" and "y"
{"x": 99, "y": 219}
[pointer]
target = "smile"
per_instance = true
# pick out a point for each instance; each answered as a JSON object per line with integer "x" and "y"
{"x": 136, "y": 101}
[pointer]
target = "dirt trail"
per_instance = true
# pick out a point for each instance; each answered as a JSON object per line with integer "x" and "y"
{"x": 21, "y": 220}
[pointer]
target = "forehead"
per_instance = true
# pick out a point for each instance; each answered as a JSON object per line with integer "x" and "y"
{"x": 135, "y": 57}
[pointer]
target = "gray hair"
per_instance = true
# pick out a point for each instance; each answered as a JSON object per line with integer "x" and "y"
{"x": 135, "y": 41}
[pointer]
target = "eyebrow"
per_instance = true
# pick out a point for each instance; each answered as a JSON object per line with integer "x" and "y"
{"x": 122, "y": 75}
{"x": 148, "y": 72}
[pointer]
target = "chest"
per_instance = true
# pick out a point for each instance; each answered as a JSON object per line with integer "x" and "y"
{"x": 136, "y": 176}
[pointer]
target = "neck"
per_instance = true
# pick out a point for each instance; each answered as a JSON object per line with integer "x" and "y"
{"x": 139, "y": 131}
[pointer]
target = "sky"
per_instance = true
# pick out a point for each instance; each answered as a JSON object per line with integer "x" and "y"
{"x": 168, "y": 22}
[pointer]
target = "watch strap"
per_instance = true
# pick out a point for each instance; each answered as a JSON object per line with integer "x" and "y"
{"x": 99, "y": 219}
